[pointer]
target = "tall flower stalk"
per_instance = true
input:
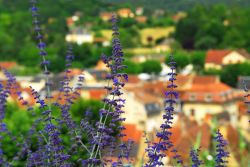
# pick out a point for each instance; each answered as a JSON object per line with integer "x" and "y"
{"x": 51, "y": 134}
{"x": 221, "y": 152}
{"x": 246, "y": 96}
{"x": 156, "y": 151}
{"x": 110, "y": 114}
{"x": 194, "y": 154}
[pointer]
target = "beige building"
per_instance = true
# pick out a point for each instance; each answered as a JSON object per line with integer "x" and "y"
{"x": 208, "y": 96}
{"x": 216, "y": 59}
{"x": 143, "y": 109}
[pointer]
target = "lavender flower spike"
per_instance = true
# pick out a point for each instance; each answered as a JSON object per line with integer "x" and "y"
{"x": 156, "y": 151}
{"x": 196, "y": 162}
{"x": 246, "y": 96}
{"x": 221, "y": 152}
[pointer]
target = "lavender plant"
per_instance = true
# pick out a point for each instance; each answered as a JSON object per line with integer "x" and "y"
{"x": 194, "y": 154}
{"x": 221, "y": 153}
{"x": 44, "y": 145}
{"x": 157, "y": 150}
{"x": 246, "y": 96}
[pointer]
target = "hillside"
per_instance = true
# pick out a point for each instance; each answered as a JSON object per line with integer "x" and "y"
{"x": 175, "y": 5}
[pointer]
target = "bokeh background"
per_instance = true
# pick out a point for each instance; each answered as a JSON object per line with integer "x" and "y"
{"x": 210, "y": 43}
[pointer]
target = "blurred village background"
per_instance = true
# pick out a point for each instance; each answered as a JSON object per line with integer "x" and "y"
{"x": 211, "y": 46}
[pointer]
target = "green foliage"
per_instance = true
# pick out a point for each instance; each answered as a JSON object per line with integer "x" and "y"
{"x": 88, "y": 54}
{"x": 231, "y": 72}
{"x": 133, "y": 68}
{"x": 182, "y": 59}
{"x": 129, "y": 37}
{"x": 151, "y": 66}
{"x": 198, "y": 60}
{"x": 214, "y": 27}
{"x": 19, "y": 121}
{"x": 212, "y": 72}
{"x": 81, "y": 106}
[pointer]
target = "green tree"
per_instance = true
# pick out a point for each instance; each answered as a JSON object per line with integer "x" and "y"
{"x": 151, "y": 66}
{"x": 231, "y": 72}
{"x": 132, "y": 68}
{"x": 181, "y": 58}
{"x": 198, "y": 60}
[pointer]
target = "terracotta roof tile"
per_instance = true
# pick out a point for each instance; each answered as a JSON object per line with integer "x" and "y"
{"x": 216, "y": 56}
{"x": 97, "y": 93}
{"x": 132, "y": 133}
{"x": 8, "y": 64}
{"x": 133, "y": 79}
{"x": 209, "y": 92}
{"x": 205, "y": 79}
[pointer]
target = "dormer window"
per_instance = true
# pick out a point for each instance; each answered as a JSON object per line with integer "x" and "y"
{"x": 192, "y": 97}
{"x": 208, "y": 97}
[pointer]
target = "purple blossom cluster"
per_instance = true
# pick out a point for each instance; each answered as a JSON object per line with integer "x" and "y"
{"x": 109, "y": 127}
{"x": 221, "y": 153}
{"x": 104, "y": 137}
{"x": 194, "y": 154}
{"x": 157, "y": 151}
{"x": 246, "y": 96}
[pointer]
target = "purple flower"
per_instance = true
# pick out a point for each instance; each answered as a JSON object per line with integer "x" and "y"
{"x": 156, "y": 151}
{"x": 221, "y": 153}
{"x": 194, "y": 154}
{"x": 104, "y": 137}
{"x": 246, "y": 96}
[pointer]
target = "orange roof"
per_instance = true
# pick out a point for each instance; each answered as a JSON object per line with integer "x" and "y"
{"x": 217, "y": 92}
{"x": 99, "y": 39}
{"x": 70, "y": 21}
{"x": 124, "y": 11}
{"x": 132, "y": 133}
{"x": 216, "y": 56}
{"x": 133, "y": 79}
{"x": 205, "y": 79}
{"x": 141, "y": 19}
{"x": 8, "y": 64}
{"x": 209, "y": 88}
{"x": 106, "y": 15}
{"x": 143, "y": 95}
{"x": 97, "y": 94}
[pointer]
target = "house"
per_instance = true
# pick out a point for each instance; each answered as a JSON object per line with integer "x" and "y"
{"x": 8, "y": 65}
{"x": 102, "y": 41}
{"x": 106, "y": 16}
{"x": 142, "y": 108}
{"x": 164, "y": 46}
{"x": 207, "y": 95}
{"x": 178, "y": 16}
{"x": 216, "y": 59}
{"x": 79, "y": 35}
{"x": 139, "y": 11}
{"x": 141, "y": 19}
{"x": 70, "y": 22}
{"x": 125, "y": 13}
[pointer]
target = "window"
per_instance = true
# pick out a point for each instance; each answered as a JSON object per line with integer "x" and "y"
{"x": 192, "y": 112}
{"x": 192, "y": 97}
{"x": 208, "y": 98}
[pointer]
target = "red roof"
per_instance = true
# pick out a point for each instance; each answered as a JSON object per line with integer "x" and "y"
{"x": 97, "y": 94}
{"x": 8, "y": 64}
{"x": 216, "y": 56}
{"x": 208, "y": 89}
{"x": 205, "y": 79}
{"x": 133, "y": 79}
{"x": 132, "y": 133}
